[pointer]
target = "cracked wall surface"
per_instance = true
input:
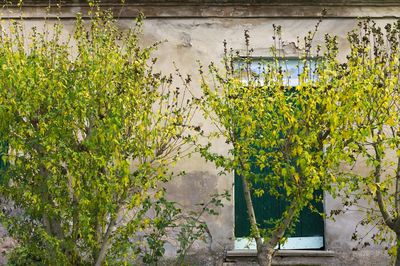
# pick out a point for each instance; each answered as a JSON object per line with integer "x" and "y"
{"x": 192, "y": 40}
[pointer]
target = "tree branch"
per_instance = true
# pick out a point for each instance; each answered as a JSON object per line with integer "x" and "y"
{"x": 387, "y": 217}
{"x": 105, "y": 244}
{"x": 278, "y": 233}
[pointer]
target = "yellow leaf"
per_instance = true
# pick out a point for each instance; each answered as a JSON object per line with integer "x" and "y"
{"x": 299, "y": 150}
{"x": 390, "y": 121}
{"x": 372, "y": 188}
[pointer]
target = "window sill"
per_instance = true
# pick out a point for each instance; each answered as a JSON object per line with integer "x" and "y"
{"x": 245, "y": 253}
{"x": 292, "y": 243}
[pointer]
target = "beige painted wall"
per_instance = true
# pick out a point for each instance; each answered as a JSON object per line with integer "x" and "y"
{"x": 192, "y": 39}
{"x": 201, "y": 39}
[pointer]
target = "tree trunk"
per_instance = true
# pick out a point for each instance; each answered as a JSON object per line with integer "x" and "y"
{"x": 105, "y": 245}
{"x": 397, "y": 261}
{"x": 265, "y": 255}
{"x": 250, "y": 210}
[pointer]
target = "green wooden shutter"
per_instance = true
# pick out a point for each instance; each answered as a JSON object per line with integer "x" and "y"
{"x": 3, "y": 150}
{"x": 310, "y": 224}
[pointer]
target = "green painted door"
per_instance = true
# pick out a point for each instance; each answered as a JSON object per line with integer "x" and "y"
{"x": 3, "y": 150}
{"x": 309, "y": 230}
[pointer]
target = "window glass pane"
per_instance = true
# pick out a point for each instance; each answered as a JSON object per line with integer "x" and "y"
{"x": 291, "y": 68}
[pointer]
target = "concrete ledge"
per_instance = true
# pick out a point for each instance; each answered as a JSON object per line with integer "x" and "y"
{"x": 212, "y": 10}
{"x": 283, "y": 257}
{"x": 218, "y": 2}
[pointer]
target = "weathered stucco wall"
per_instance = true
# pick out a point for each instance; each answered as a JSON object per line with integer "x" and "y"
{"x": 191, "y": 39}
{"x": 201, "y": 39}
